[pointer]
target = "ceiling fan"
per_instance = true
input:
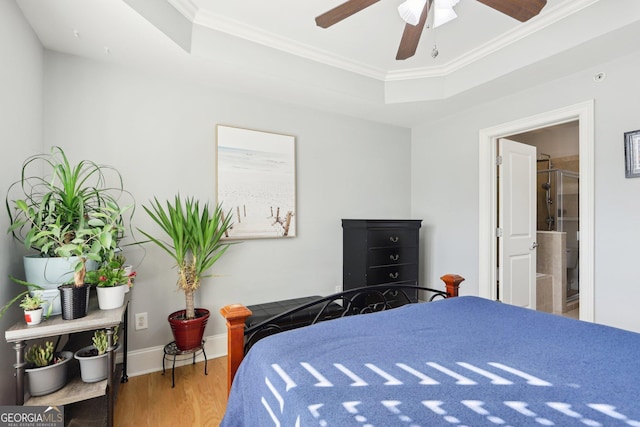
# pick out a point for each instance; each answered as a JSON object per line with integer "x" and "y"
{"x": 415, "y": 19}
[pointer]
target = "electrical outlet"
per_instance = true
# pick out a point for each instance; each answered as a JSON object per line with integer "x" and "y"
{"x": 338, "y": 288}
{"x": 141, "y": 321}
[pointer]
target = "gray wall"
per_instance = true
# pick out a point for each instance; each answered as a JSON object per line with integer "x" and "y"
{"x": 20, "y": 136}
{"x": 445, "y": 182}
{"x": 160, "y": 134}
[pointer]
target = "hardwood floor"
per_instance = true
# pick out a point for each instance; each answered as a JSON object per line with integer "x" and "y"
{"x": 197, "y": 399}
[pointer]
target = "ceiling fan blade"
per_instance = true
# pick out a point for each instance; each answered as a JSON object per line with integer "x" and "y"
{"x": 522, "y": 10}
{"x": 411, "y": 35}
{"x": 342, "y": 11}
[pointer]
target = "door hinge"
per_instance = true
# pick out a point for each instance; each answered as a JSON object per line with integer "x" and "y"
{"x": 498, "y": 160}
{"x": 498, "y": 232}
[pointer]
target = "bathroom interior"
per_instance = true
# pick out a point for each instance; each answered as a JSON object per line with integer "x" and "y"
{"x": 558, "y": 234}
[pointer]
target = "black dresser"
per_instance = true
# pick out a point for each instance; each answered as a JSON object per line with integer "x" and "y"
{"x": 379, "y": 252}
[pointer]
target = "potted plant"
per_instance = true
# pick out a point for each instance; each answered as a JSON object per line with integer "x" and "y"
{"x": 93, "y": 240}
{"x": 46, "y": 370}
{"x": 31, "y": 301}
{"x": 195, "y": 242}
{"x": 93, "y": 359}
{"x": 60, "y": 210}
{"x": 112, "y": 282}
{"x": 32, "y": 306}
{"x": 121, "y": 260}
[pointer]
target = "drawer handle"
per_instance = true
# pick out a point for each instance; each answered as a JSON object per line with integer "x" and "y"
{"x": 394, "y": 239}
{"x": 394, "y": 275}
{"x": 394, "y": 257}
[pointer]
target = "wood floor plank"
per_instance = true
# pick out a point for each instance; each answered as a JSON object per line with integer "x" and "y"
{"x": 196, "y": 400}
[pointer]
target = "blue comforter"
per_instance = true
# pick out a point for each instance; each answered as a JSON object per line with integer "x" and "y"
{"x": 463, "y": 361}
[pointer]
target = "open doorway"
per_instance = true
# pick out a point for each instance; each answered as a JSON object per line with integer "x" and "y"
{"x": 583, "y": 113}
{"x": 557, "y": 194}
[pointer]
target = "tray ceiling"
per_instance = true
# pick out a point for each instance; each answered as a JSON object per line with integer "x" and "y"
{"x": 273, "y": 48}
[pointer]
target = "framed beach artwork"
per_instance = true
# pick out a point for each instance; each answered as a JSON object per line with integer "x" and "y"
{"x": 256, "y": 182}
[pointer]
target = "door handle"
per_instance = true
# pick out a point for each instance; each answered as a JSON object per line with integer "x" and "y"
{"x": 534, "y": 245}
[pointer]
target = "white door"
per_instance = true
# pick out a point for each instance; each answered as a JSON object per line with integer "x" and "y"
{"x": 517, "y": 223}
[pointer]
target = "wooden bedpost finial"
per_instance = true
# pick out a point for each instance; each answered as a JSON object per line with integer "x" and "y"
{"x": 236, "y": 315}
{"x": 452, "y": 282}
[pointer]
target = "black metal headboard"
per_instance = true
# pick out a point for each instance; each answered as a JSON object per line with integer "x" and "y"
{"x": 352, "y": 302}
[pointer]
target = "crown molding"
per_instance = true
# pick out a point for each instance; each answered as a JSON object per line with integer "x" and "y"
{"x": 207, "y": 19}
{"x": 512, "y": 36}
{"x": 235, "y": 28}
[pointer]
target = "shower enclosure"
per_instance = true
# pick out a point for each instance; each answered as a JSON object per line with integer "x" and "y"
{"x": 558, "y": 210}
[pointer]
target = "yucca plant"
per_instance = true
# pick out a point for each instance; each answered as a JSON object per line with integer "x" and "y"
{"x": 195, "y": 243}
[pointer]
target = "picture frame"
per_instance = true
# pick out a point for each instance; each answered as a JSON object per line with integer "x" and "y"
{"x": 632, "y": 154}
{"x": 256, "y": 182}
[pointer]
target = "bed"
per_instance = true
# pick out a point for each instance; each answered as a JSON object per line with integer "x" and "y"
{"x": 454, "y": 361}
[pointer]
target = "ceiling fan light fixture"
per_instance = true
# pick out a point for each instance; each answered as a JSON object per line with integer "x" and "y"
{"x": 443, "y": 12}
{"x": 448, "y": 4}
{"x": 411, "y": 10}
{"x": 442, "y": 16}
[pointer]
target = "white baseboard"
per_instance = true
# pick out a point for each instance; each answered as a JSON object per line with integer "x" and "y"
{"x": 147, "y": 360}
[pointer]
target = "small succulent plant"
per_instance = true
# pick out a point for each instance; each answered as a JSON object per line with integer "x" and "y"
{"x": 100, "y": 341}
{"x": 31, "y": 302}
{"x": 40, "y": 357}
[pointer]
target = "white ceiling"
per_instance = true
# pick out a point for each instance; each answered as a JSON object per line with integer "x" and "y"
{"x": 273, "y": 48}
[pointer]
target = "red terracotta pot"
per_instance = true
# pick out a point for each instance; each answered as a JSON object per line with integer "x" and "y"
{"x": 188, "y": 333}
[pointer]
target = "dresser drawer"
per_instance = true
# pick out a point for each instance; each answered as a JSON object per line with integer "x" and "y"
{"x": 386, "y": 237}
{"x": 392, "y": 256}
{"x": 380, "y": 251}
{"x": 392, "y": 274}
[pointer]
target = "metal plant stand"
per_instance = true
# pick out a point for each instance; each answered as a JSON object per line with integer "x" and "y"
{"x": 172, "y": 352}
{"x": 76, "y": 390}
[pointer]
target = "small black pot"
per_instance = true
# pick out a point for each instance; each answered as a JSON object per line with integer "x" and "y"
{"x": 74, "y": 301}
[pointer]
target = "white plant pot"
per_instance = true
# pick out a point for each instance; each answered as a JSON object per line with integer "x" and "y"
{"x": 111, "y": 297}
{"x": 33, "y": 317}
{"x": 49, "y": 297}
{"x": 49, "y": 273}
{"x": 93, "y": 368}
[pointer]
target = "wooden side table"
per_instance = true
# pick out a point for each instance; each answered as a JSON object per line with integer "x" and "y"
{"x": 171, "y": 351}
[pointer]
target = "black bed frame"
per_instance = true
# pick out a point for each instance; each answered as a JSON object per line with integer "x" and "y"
{"x": 369, "y": 299}
{"x": 347, "y": 303}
